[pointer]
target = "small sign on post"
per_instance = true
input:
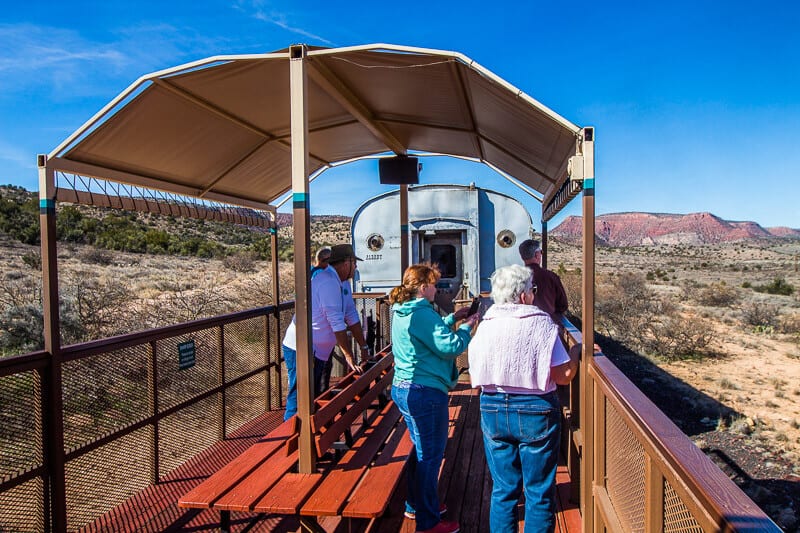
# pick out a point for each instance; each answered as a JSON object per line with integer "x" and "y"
{"x": 186, "y": 353}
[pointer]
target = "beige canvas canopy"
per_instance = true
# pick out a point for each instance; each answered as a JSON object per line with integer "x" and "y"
{"x": 219, "y": 128}
{"x": 243, "y": 130}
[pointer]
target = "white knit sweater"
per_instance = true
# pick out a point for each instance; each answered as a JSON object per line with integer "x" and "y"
{"x": 514, "y": 347}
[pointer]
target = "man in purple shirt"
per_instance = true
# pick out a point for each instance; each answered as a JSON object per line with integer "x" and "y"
{"x": 550, "y": 295}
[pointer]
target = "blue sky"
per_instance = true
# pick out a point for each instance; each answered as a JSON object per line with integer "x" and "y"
{"x": 695, "y": 104}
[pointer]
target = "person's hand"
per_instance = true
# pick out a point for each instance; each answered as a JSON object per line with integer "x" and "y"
{"x": 473, "y": 320}
{"x": 353, "y": 366}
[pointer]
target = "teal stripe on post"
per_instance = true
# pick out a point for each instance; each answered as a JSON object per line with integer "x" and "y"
{"x": 47, "y": 205}
{"x": 588, "y": 183}
{"x": 273, "y": 231}
{"x": 404, "y": 228}
{"x": 300, "y": 200}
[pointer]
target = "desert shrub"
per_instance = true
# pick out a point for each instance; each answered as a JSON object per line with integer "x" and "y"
{"x": 17, "y": 289}
{"x": 33, "y": 259}
{"x": 718, "y": 295}
{"x": 776, "y": 286}
{"x": 624, "y": 306}
{"x": 628, "y": 310}
{"x": 672, "y": 336}
{"x": 758, "y": 314}
{"x": 19, "y": 216}
{"x": 182, "y": 301}
{"x": 96, "y": 256}
{"x": 97, "y": 306}
{"x": 22, "y": 328}
{"x": 240, "y": 262}
{"x": 573, "y": 288}
{"x": 789, "y": 324}
{"x": 261, "y": 247}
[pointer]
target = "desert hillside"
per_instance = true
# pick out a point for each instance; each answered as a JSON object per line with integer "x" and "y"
{"x": 646, "y": 229}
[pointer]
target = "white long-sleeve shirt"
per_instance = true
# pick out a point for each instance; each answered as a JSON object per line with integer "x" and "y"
{"x": 332, "y": 310}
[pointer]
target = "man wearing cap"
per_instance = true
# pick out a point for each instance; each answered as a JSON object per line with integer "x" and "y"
{"x": 550, "y": 294}
{"x": 333, "y": 313}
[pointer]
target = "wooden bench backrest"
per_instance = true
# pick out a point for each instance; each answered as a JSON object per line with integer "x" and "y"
{"x": 339, "y": 407}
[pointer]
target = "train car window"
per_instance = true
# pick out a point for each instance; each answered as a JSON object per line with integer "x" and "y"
{"x": 445, "y": 256}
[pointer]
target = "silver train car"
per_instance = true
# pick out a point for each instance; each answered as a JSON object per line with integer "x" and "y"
{"x": 468, "y": 231}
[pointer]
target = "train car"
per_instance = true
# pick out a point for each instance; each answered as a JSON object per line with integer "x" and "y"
{"x": 468, "y": 231}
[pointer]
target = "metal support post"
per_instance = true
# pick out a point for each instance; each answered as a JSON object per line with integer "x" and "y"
{"x": 586, "y": 148}
{"x": 544, "y": 243}
{"x": 52, "y": 344}
{"x": 404, "y": 255}
{"x": 302, "y": 253}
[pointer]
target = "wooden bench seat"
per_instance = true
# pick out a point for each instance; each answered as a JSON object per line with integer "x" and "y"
{"x": 360, "y": 438}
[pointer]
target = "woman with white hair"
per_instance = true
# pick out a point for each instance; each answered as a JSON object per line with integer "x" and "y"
{"x": 517, "y": 359}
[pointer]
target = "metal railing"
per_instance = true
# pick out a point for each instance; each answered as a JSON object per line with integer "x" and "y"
{"x": 131, "y": 413}
{"x": 647, "y": 475}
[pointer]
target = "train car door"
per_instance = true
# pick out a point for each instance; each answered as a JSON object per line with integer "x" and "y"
{"x": 446, "y": 250}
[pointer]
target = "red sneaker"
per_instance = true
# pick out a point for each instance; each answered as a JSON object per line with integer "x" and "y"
{"x": 411, "y": 515}
{"x": 442, "y": 527}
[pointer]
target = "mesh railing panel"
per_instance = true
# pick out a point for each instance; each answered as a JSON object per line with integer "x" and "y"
{"x": 104, "y": 393}
{"x": 625, "y": 471}
{"x": 245, "y": 347}
{"x": 22, "y": 508}
{"x": 107, "y": 392}
{"x": 274, "y": 375}
{"x": 369, "y": 311}
{"x": 188, "y": 432}
{"x": 176, "y": 385}
{"x": 20, "y": 424}
{"x": 102, "y": 478}
{"x": 677, "y": 518}
{"x": 244, "y": 402}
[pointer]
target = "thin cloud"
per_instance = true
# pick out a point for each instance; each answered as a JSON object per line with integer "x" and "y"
{"x": 255, "y": 9}
{"x": 23, "y": 50}
{"x": 66, "y": 59}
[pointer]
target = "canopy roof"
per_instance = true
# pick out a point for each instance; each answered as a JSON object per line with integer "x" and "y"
{"x": 219, "y": 128}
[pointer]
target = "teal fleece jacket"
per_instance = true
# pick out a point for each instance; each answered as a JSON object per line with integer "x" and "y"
{"x": 425, "y": 346}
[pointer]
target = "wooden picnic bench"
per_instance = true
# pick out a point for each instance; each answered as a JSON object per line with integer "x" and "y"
{"x": 362, "y": 444}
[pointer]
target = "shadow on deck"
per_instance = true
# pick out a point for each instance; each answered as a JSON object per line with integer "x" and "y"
{"x": 465, "y": 486}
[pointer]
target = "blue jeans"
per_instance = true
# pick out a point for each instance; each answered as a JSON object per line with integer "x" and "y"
{"x": 290, "y": 357}
{"x": 520, "y": 436}
{"x": 425, "y": 412}
{"x": 322, "y": 374}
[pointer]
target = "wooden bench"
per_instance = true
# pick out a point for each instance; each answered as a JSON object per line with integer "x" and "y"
{"x": 362, "y": 444}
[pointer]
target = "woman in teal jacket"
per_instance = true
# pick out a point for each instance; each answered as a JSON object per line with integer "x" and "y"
{"x": 425, "y": 349}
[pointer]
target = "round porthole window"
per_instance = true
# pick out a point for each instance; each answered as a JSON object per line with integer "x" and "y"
{"x": 506, "y": 238}
{"x": 375, "y": 242}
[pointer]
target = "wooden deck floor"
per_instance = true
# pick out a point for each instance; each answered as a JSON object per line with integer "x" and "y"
{"x": 465, "y": 485}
